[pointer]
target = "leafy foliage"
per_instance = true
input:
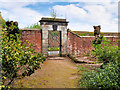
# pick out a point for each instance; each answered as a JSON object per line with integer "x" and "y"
{"x": 34, "y": 26}
{"x": 17, "y": 60}
{"x": 102, "y": 78}
{"x": 12, "y": 28}
{"x": 2, "y": 21}
{"x": 53, "y": 13}
{"x": 107, "y": 76}
{"x": 54, "y": 33}
{"x": 105, "y": 51}
{"x": 97, "y": 41}
{"x": 53, "y": 48}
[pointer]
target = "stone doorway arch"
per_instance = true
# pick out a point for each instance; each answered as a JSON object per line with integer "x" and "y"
{"x": 54, "y": 24}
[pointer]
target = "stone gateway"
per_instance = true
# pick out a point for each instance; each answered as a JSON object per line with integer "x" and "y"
{"x": 54, "y": 24}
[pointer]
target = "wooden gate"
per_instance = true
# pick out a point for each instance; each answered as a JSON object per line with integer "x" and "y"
{"x": 54, "y": 43}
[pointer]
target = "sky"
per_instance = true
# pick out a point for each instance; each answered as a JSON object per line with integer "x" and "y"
{"x": 81, "y": 14}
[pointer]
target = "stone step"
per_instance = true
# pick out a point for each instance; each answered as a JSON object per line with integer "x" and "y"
{"x": 55, "y": 58}
{"x": 85, "y": 60}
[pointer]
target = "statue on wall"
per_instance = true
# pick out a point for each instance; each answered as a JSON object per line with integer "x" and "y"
{"x": 98, "y": 38}
{"x": 97, "y": 31}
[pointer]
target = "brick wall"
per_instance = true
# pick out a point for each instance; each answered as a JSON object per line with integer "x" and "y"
{"x": 34, "y": 37}
{"x": 86, "y": 33}
{"x": 80, "y": 45}
{"x": 76, "y": 45}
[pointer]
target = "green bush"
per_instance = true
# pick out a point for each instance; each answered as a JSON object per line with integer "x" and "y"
{"x": 108, "y": 76}
{"x": 53, "y": 48}
{"x": 102, "y": 78}
{"x": 16, "y": 57}
{"x": 105, "y": 51}
{"x": 34, "y": 26}
{"x": 12, "y": 29}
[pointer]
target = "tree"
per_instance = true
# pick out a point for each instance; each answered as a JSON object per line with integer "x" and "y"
{"x": 53, "y": 13}
{"x": 17, "y": 58}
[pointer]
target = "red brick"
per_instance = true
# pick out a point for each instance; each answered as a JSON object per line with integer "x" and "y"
{"x": 77, "y": 45}
{"x": 34, "y": 37}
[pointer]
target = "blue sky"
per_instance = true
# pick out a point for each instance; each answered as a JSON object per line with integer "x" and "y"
{"x": 81, "y": 14}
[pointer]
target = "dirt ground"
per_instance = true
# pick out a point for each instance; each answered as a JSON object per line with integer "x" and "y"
{"x": 61, "y": 73}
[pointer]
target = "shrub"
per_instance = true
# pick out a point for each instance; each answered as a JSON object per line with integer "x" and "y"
{"x": 102, "y": 78}
{"x": 17, "y": 57}
{"x": 12, "y": 29}
{"x": 53, "y": 48}
{"x": 34, "y": 26}
{"x": 108, "y": 75}
{"x": 105, "y": 51}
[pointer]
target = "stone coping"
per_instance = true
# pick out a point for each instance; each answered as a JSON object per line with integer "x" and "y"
{"x": 89, "y": 36}
{"x": 30, "y": 29}
{"x": 101, "y": 32}
{"x": 53, "y": 20}
{"x": 68, "y": 30}
{"x": 94, "y": 36}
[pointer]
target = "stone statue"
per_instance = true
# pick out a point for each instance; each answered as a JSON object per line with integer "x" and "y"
{"x": 98, "y": 38}
{"x": 97, "y": 31}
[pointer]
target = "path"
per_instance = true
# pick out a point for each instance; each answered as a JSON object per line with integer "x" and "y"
{"x": 60, "y": 73}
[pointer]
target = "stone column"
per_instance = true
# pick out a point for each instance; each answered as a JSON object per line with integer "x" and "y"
{"x": 44, "y": 42}
{"x": 64, "y": 39}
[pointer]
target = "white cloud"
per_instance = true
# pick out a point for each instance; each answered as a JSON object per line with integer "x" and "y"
{"x": 104, "y": 14}
{"x": 24, "y": 0}
{"x": 75, "y": 12}
{"x": 80, "y": 27}
{"x": 86, "y": 1}
{"x": 94, "y": 1}
{"x": 17, "y": 11}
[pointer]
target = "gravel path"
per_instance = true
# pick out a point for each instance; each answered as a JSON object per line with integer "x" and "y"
{"x": 54, "y": 73}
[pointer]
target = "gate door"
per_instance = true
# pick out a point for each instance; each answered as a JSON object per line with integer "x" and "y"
{"x": 54, "y": 43}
